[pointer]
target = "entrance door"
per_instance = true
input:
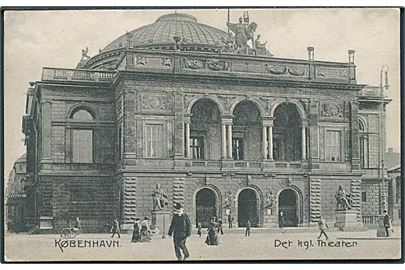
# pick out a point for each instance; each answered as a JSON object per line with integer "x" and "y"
{"x": 205, "y": 206}
{"x": 287, "y": 203}
{"x": 247, "y": 208}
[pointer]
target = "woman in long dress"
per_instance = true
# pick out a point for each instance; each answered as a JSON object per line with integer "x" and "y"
{"x": 136, "y": 235}
{"x": 212, "y": 237}
{"x": 145, "y": 230}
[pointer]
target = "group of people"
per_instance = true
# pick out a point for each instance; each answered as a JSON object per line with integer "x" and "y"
{"x": 142, "y": 231}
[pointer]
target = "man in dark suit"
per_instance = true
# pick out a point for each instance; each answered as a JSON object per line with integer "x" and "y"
{"x": 387, "y": 223}
{"x": 180, "y": 228}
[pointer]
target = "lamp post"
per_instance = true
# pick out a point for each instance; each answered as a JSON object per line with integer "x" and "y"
{"x": 164, "y": 222}
{"x": 383, "y": 86}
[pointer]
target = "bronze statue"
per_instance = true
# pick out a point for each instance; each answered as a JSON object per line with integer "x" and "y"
{"x": 260, "y": 47}
{"x": 243, "y": 33}
{"x": 85, "y": 56}
{"x": 159, "y": 198}
{"x": 343, "y": 200}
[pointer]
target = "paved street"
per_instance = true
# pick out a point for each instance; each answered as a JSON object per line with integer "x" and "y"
{"x": 291, "y": 245}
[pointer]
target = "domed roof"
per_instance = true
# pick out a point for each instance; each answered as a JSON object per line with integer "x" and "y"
{"x": 161, "y": 33}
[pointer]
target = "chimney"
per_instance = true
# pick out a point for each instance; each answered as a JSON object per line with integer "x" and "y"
{"x": 310, "y": 53}
{"x": 351, "y": 56}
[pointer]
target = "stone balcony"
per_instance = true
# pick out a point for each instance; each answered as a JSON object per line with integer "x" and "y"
{"x": 78, "y": 75}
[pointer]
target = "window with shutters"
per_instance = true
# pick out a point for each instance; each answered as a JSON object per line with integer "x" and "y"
{"x": 82, "y": 146}
{"x": 154, "y": 137}
{"x": 333, "y": 146}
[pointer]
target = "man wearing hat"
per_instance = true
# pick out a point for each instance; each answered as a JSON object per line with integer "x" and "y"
{"x": 180, "y": 228}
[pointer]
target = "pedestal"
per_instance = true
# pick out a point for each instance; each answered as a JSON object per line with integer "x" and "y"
{"x": 45, "y": 224}
{"x": 160, "y": 221}
{"x": 346, "y": 220}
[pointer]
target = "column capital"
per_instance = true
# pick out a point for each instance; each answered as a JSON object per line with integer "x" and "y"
{"x": 226, "y": 121}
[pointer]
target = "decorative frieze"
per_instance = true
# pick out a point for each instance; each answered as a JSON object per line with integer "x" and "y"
{"x": 331, "y": 110}
{"x": 155, "y": 102}
{"x": 332, "y": 73}
{"x": 286, "y": 70}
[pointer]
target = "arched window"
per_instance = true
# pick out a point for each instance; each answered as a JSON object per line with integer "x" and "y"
{"x": 82, "y": 137}
{"x": 82, "y": 115}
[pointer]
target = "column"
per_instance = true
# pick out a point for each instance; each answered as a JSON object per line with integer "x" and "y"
{"x": 271, "y": 142}
{"x": 187, "y": 124}
{"x": 304, "y": 141}
{"x": 264, "y": 141}
{"x": 223, "y": 140}
{"x": 230, "y": 141}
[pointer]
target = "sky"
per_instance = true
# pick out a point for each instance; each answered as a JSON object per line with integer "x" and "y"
{"x": 37, "y": 39}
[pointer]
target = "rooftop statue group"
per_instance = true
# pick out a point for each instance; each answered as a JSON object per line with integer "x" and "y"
{"x": 343, "y": 200}
{"x": 243, "y": 32}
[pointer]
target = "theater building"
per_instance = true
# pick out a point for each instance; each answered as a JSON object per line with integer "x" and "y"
{"x": 223, "y": 130}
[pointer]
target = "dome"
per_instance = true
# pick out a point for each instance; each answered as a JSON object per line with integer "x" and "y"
{"x": 159, "y": 35}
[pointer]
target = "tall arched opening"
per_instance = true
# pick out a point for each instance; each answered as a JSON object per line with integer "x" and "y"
{"x": 206, "y": 206}
{"x": 248, "y": 207}
{"x": 287, "y": 133}
{"x": 246, "y": 137}
{"x": 289, "y": 204}
{"x": 205, "y": 129}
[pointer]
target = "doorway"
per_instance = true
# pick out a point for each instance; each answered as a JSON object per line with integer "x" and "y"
{"x": 205, "y": 206}
{"x": 248, "y": 208}
{"x": 288, "y": 204}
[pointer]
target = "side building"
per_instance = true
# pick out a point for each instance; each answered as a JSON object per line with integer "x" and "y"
{"x": 15, "y": 198}
{"x": 223, "y": 130}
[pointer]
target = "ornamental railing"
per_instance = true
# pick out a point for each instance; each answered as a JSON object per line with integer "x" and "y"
{"x": 58, "y": 74}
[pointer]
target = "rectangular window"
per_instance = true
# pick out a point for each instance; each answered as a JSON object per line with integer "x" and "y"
{"x": 363, "y": 196}
{"x": 237, "y": 149}
{"x": 82, "y": 146}
{"x": 364, "y": 152}
{"x": 333, "y": 146}
{"x": 197, "y": 147}
{"x": 154, "y": 148}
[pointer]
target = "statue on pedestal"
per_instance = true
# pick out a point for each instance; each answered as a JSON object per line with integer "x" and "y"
{"x": 243, "y": 33}
{"x": 159, "y": 198}
{"x": 343, "y": 200}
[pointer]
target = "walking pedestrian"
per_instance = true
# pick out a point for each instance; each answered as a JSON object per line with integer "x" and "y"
{"x": 387, "y": 224}
{"x": 180, "y": 228}
{"x": 115, "y": 228}
{"x": 199, "y": 227}
{"x": 221, "y": 229}
{"x": 322, "y": 226}
{"x": 136, "y": 235}
{"x": 212, "y": 235}
{"x": 230, "y": 221}
{"x": 281, "y": 220}
{"x": 248, "y": 225}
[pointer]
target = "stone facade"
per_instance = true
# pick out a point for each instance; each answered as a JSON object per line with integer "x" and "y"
{"x": 258, "y": 135}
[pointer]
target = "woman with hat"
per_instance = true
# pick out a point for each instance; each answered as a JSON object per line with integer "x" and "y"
{"x": 136, "y": 235}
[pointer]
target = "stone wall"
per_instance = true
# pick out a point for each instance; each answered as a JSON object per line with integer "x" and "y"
{"x": 87, "y": 197}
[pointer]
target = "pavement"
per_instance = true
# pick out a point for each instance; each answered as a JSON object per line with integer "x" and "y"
{"x": 279, "y": 245}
